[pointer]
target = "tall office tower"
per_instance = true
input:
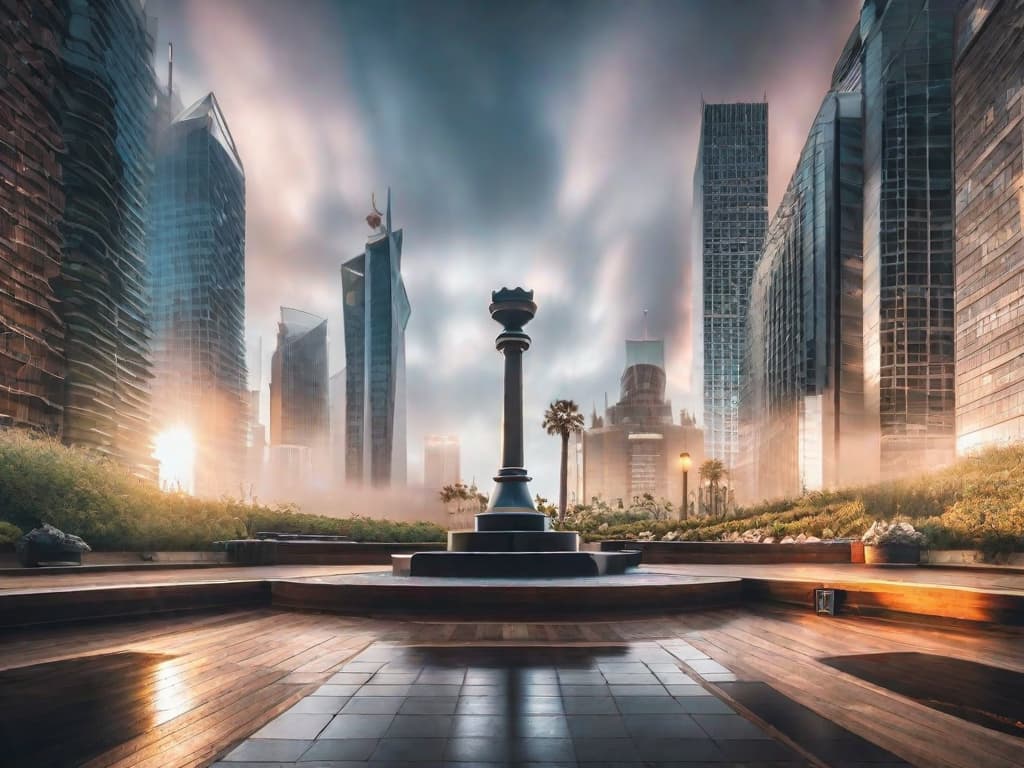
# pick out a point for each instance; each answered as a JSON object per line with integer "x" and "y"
{"x": 107, "y": 102}
{"x": 440, "y": 461}
{"x": 31, "y": 210}
{"x": 376, "y": 312}
{"x": 338, "y": 415}
{"x": 197, "y": 263}
{"x": 988, "y": 82}
{"x": 730, "y": 203}
{"x": 907, "y": 67}
{"x": 635, "y": 449}
{"x": 299, "y": 399}
{"x": 803, "y": 401}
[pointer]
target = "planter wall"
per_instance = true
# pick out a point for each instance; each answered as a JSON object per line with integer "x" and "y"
{"x": 733, "y": 553}
{"x": 892, "y": 554}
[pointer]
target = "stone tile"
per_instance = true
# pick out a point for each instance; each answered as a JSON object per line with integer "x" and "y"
{"x": 638, "y": 690}
{"x": 543, "y": 751}
{"x": 705, "y": 667}
{"x": 481, "y": 705}
{"x": 479, "y": 726}
{"x": 479, "y": 748}
{"x": 581, "y": 678}
{"x": 268, "y": 750}
{"x": 419, "y": 726}
{"x": 362, "y": 666}
{"x": 294, "y": 726}
{"x": 595, "y": 750}
{"x": 541, "y": 727}
{"x": 339, "y": 749}
{"x": 655, "y": 726}
{"x": 336, "y": 690}
{"x": 541, "y": 705}
{"x": 373, "y": 705}
{"x": 638, "y": 705}
{"x": 357, "y": 727}
{"x": 590, "y": 705}
{"x": 704, "y": 705}
{"x": 756, "y": 750}
{"x": 483, "y": 690}
{"x": 443, "y": 676}
{"x": 540, "y": 689}
{"x": 393, "y": 678}
{"x": 597, "y": 726}
{"x": 421, "y": 750}
{"x": 687, "y": 690}
{"x": 630, "y": 679}
{"x": 433, "y": 689}
{"x": 373, "y": 689}
{"x": 585, "y": 690}
{"x": 729, "y": 727}
{"x": 725, "y": 677}
{"x": 319, "y": 705}
{"x": 350, "y": 678}
{"x": 429, "y": 705}
{"x": 623, "y": 668}
{"x": 679, "y": 750}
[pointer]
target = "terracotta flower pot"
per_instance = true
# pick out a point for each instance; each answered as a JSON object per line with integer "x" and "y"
{"x": 892, "y": 554}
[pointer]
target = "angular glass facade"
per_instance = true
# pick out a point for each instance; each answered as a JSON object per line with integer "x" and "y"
{"x": 730, "y": 218}
{"x": 988, "y": 85}
{"x": 31, "y": 210}
{"x": 376, "y": 312}
{"x": 107, "y": 106}
{"x": 197, "y": 263}
{"x": 299, "y": 396}
{"x": 803, "y": 400}
{"x": 907, "y": 67}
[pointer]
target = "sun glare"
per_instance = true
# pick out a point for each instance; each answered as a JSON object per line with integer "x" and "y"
{"x": 176, "y": 452}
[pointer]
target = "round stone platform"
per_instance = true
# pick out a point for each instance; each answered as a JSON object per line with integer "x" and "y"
{"x": 636, "y": 592}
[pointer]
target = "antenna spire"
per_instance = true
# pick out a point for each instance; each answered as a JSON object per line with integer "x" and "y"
{"x": 170, "y": 68}
{"x": 645, "y": 325}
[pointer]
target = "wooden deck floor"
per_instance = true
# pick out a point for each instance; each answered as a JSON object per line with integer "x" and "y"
{"x": 213, "y": 679}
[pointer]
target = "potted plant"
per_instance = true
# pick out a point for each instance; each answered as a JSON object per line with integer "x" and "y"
{"x": 895, "y": 543}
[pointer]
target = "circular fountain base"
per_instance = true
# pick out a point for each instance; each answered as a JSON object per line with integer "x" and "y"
{"x": 504, "y": 564}
{"x": 513, "y": 541}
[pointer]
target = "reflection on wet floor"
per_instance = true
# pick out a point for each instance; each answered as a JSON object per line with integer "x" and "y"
{"x": 989, "y": 696}
{"x": 500, "y": 705}
{"x": 64, "y": 712}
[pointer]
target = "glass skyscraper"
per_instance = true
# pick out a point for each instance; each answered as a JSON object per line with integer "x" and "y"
{"x": 197, "y": 262}
{"x": 376, "y": 312}
{"x": 803, "y": 400}
{"x": 988, "y": 82}
{"x": 730, "y": 203}
{"x": 107, "y": 105}
{"x": 906, "y": 73}
{"x": 31, "y": 211}
{"x": 299, "y": 395}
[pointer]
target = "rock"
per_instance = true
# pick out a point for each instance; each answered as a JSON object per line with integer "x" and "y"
{"x": 48, "y": 536}
{"x": 788, "y": 540}
{"x": 801, "y": 538}
{"x": 768, "y": 540}
{"x": 812, "y": 540}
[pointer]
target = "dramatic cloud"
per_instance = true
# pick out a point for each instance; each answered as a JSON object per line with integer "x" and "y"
{"x": 544, "y": 144}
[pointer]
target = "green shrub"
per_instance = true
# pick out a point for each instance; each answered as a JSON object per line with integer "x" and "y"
{"x": 81, "y": 493}
{"x": 9, "y": 534}
{"x": 976, "y": 503}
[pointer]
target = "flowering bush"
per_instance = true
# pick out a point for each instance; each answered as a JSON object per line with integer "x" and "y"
{"x": 882, "y": 532}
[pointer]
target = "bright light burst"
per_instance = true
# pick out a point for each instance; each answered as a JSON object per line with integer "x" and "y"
{"x": 176, "y": 452}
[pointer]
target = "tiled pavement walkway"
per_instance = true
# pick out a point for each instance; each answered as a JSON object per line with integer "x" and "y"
{"x": 521, "y": 705}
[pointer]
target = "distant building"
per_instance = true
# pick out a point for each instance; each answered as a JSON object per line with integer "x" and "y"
{"x": 634, "y": 450}
{"x": 988, "y": 83}
{"x": 299, "y": 400}
{"x": 197, "y": 264}
{"x": 376, "y": 312}
{"x": 802, "y": 413}
{"x": 730, "y": 216}
{"x": 32, "y": 205}
{"x": 338, "y": 416}
{"x": 906, "y": 64}
{"x": 440, "y": 461}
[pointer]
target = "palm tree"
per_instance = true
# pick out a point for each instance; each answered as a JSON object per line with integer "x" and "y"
{"x": 711, "y": 472}
{"x": 563, "y": 418}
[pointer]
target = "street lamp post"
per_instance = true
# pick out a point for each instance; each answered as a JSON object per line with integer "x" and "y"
{"x": 684, "y": 464}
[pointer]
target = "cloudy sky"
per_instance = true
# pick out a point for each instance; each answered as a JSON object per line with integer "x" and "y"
{"x": 544, "y": 144}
